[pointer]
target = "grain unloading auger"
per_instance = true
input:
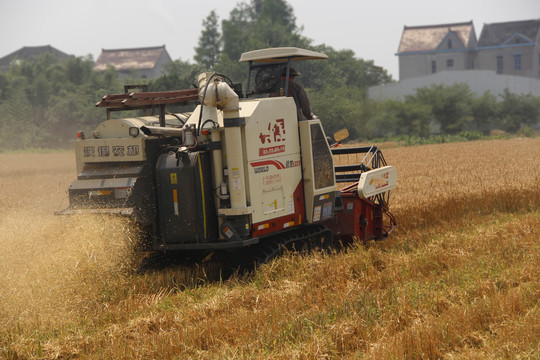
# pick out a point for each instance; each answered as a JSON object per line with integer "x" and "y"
{"x": 236, "y": 173}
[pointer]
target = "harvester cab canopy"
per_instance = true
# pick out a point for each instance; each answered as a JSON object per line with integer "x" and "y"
{"x": 268, "y": 64}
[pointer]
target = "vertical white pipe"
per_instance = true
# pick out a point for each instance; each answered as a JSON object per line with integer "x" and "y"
{"x": 235, "y": 164}
{"x": 219, "y": 94}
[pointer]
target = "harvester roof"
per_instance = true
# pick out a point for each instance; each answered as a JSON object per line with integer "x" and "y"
{"x": 281, "y": 54}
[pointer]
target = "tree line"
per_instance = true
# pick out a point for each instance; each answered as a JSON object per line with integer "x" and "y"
{"x": 43, "y": 102}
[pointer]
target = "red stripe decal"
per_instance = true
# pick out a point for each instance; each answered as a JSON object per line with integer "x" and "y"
{"x": 276, "y": 163}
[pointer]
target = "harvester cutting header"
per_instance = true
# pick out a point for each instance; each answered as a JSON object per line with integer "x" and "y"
{"x": 237, "y": 173}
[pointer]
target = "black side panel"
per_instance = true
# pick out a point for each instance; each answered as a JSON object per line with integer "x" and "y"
{"x": 185, "y": 196}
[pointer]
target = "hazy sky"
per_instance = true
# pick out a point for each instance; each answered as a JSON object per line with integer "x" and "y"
{"x": 372, "y": 29}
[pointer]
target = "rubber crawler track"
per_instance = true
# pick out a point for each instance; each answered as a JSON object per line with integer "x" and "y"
{"x": 304, "y": 238}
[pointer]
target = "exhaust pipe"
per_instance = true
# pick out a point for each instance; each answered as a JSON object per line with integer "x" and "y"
{"x": 161, "y": 131}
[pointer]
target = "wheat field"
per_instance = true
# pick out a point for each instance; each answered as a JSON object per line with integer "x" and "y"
{"x": 458, "y": 279}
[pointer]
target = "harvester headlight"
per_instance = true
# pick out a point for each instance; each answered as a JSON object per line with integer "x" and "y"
{"x": 134, "y": 131}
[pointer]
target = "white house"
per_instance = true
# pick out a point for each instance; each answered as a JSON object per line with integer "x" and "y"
{"x": 506, "y": 56}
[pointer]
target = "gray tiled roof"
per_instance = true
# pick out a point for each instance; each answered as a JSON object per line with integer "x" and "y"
{"x": 428, "y": 38}
{"x": 31, "y": 52}
{"x": 129, "y": 59}
{"x": 498, "y": 33}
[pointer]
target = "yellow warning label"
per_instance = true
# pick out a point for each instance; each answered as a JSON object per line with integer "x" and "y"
{"x": 174, "y": 179}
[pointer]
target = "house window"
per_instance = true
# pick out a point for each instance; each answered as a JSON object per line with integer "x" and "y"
{"x": 450, "y": 63}
{"x": 449, "y": 43}
{"x": 499, "y": 64}
{"x": 517, "y": 62}
{"x": 433, "y": 66}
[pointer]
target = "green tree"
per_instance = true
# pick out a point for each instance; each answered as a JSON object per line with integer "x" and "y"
{"x": 236, "y": 31}
{"x": 414, "y": 119}
{"x": 516, "y": 111}
{"x": 355, "y": 72}
{"x": 342, "y": 108}
{"x": 484, "y": 112}
{"x": 260, "y": 24}
{"x": 278, "y": 12}
{"x": 383, "y": 118}
{"x": 342, "y": 68}
{"x": 63, "y": 109}
{"x": 17, "y": 129}
{"x": 179, "y": 75}
{"x": 4, "y": 86}
{"x": 450, "y": 105}
{"x": 78, "y": 70}
{"x": 43, "y": 102}
{"x": 209, "y": 47}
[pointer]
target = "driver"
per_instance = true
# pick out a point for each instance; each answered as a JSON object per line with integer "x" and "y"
{"x": 297, "y": 92}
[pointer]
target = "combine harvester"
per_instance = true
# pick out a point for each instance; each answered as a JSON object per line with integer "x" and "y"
{"x": 237, "y": 174}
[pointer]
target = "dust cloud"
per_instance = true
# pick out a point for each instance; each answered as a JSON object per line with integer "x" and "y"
{"x": 53, "y": 268}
